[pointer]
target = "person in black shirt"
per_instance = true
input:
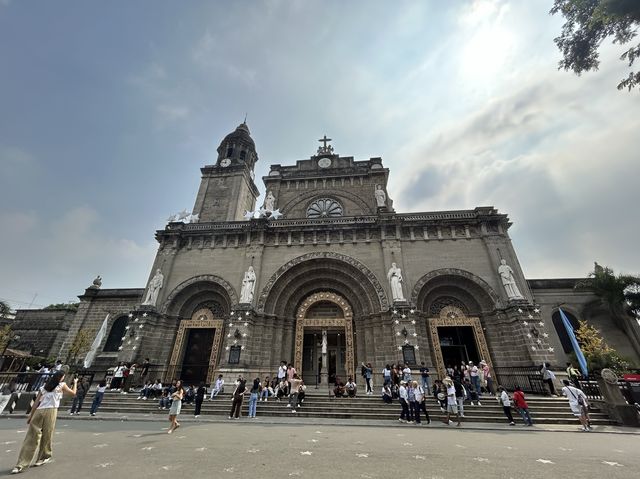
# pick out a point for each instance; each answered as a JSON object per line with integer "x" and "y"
{"x": 424, "y": 375}
{"x": 201, "y": 392}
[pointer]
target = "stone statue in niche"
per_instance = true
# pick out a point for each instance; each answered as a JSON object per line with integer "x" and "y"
{"x": 154, "y": 289}
{"x": 395, "y": 282}
{"x": 248, "y": 286}
{"x": 381, "y": 197}
{"x": 509, "y": 281}
{"x": 324, "y": 342}
{"x": 270, "y": 202}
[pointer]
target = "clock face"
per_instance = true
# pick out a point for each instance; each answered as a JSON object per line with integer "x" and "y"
{"x": 324, "y": 162}
{"x": 226, "y": 162}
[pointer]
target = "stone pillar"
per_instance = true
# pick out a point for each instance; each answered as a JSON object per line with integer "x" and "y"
{"x": 324, "y": 373}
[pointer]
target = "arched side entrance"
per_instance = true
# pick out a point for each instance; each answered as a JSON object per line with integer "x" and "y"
{"x": 197, "y": 347}
{"x": 452, "y": 329}
{"x": 326, "y": 321}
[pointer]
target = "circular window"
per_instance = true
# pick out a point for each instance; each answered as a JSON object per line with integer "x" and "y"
{"x": 324, "y": 208}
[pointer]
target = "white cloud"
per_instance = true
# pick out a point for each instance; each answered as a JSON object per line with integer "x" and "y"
{"x": 58, "y": 257}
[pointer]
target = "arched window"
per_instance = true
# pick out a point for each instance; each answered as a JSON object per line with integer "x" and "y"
{"x": 114, "y": 340}
{"x": 561, "y": 330}
{"x": 229, "y": 151}
{"x": 243, "y": 155}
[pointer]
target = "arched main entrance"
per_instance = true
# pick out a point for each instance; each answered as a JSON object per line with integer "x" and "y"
{"x": 324, "y": 338}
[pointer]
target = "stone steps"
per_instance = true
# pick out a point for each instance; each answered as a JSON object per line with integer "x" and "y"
{"x": 543, "y": 410}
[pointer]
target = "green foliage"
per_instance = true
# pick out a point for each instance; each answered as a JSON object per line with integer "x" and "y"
{"x": 597, "y": 352}
{"x": 73, "y": 306}
{"x": 5, "y": 335}
{"x": 588, "y": 23}
{"x": 621, "y": 293}
{"x": 80, "y": 345}
{"x": 5, "y": 309}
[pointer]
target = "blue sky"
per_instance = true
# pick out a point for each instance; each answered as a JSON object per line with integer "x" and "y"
{"x": 109, "y": 109}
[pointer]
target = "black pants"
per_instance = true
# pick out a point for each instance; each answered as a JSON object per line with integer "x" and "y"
{"x": 551, "y": 386}
{"x": 414, "y": 411}
{"x": 368, "y": 380}
{"x": 198, "y": 406}
{"x": 507, "y": 412}
{"x": 236, "y": 405}
{"x": 77, "y": 402}
{"x": 422, "y": 406}
{"x": 405, "y": 410}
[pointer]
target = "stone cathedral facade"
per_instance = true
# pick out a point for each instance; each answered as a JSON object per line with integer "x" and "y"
{"x": 327, "y": 275}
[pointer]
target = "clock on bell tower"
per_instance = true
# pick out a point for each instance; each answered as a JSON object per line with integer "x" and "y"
{"x": 227, "y": 188}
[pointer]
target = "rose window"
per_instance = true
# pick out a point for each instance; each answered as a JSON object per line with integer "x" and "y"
{"x": 324, "y": 208}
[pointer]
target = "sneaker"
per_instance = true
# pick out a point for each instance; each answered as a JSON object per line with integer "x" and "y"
{"x": 17, "y": 470}
{"x": 512, "y": 423}
{"x": 288, "y": 405}
{"x": 77, "y": 413}
{"x": 42, "y": 462}
{"x": 230, "y": 417}
{"x": 71, "y": 414}
{"x": 93, "y": 413}
{"x": 471, "y": 404}
{"x": 293, "y": 410}
{"x": 138, "y": 398}
{"x": 197, "y": 416}
{"x": 479, "y": 404}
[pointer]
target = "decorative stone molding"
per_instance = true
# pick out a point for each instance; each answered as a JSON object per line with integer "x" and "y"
{"x": 452, "y": 316}
{"x": 203, "y": 319}
{"x": 382, "y": 296}
{"x": 329, "y": 193}
{"x": 415, "y": 294}
{"x": 344, "y": 323}
{"x": 205, "y": 278}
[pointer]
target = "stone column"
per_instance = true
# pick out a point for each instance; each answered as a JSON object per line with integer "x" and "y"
{"x": 324, "y": 373}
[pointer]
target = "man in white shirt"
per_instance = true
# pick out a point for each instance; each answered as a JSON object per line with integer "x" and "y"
{"x": 452, "y": 404}
{"x": 578, "y": 404}
{"x": 475, "y": 378}
{"x": 504, "y": 399}
{"x": 404, "y": 402}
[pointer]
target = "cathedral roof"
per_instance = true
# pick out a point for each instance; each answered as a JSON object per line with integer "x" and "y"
{"x": 241, "y": 134}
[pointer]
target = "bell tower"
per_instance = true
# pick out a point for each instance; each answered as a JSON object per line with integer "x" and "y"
{"x": 227, "y": 188}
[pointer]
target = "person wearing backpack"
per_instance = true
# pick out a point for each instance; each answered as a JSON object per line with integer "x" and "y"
{"x": 503, "y": 398}
{"x": 578, "y": 404}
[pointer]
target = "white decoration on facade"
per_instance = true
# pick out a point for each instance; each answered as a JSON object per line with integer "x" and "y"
{"x": 88, "y": 360}
{"x": 381, "y": 197}
{"x": 270, "y": 202}
{"x": 248, "y": 286}
{"x": 509, "y": 281}
{"x": 395, "y": 282}
{"x": 154, "y": 289}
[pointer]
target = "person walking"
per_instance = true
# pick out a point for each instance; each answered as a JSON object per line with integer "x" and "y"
{"x": 460, "y": 396}
{"x": 176, "y": 405}
{"x": 548, "y": 377}
{"x": 503, "y": 398}
{"x": 578, "y": 404}
{"x": 42, "y": 422}
{"x": 368, "y": 374}
{"x": 421, "y": 402}
{"x": 201, "y": 393}
{"x": 98, "y": 397}
{"x": 237, "y": 398}
{"x": 83, "y": 389}
{"x": 253, "y": 397}
{"x": 522, "y": 406}
{"x": 452, "y": 405}
{"x": 294, "y": 388}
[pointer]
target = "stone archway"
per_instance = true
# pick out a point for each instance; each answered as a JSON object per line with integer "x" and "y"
{"x": 182, "y": 293}
{"x": 344, "y": 324}
{"x": 463, "y": 289}
{"x": 329, "y": 270}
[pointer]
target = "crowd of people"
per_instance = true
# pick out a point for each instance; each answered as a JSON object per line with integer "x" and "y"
{"x": 465, "y": 383}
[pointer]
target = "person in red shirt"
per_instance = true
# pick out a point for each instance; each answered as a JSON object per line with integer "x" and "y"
{"x": 522, "y": 406}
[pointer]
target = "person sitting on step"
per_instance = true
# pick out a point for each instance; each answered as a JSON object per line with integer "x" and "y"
{"x": 387, "y": 395}
{"x": 350, "y": 387}
{"x": 338, "y": 390}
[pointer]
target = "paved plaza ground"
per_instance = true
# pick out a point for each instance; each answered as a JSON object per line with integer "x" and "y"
{"x": 245, "y": 448}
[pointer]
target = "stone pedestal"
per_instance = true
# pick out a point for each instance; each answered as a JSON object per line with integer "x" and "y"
{"x": 614, "y": 403}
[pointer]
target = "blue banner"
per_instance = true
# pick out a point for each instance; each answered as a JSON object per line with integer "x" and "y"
{"x": 582, "y": 362}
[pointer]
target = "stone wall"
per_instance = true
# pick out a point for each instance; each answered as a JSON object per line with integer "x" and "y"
{"x": 42, "y": 331}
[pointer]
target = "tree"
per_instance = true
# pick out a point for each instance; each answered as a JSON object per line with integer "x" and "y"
{"x": 4, "y": 309}
{"x": 588, "y": 23}
{"x": 597, "y": 352}
{"x": 5, "y": 337}
{"x": 619, "y": 294}
{"x": 80, "y": 345}
{"x": 73, "y": 306}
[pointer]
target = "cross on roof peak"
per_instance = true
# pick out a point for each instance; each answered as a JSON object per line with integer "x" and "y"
{"x": 325, "y": 149}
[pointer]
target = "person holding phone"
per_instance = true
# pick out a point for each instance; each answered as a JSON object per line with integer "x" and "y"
{"x": 42, "y": 422}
